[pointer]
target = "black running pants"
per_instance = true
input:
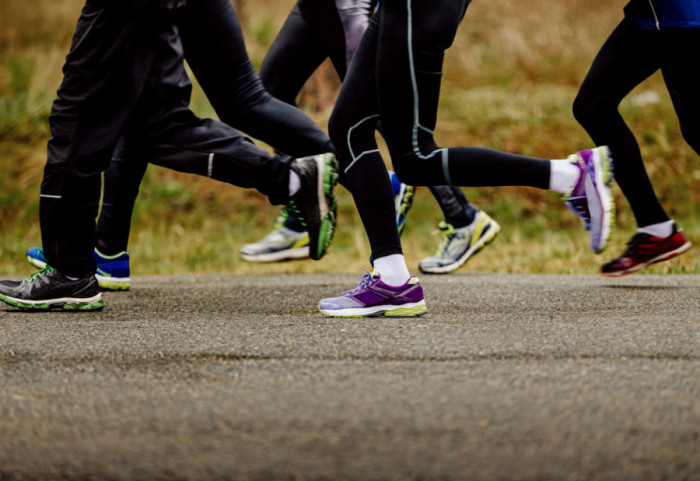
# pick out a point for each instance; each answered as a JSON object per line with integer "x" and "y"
{"x": 395, "y": 77}
{"x": 629, "y": 56}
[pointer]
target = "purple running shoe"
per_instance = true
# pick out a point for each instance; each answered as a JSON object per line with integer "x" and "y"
{"x": 591, "y": 199}
{"x": 374, "y": 298}
{"x": 575, "y": 200}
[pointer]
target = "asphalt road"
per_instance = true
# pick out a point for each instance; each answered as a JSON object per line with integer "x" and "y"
{"x": 239, "y": 377}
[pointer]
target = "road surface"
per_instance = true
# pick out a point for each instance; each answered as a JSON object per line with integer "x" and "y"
{"x": 218, "y": 377}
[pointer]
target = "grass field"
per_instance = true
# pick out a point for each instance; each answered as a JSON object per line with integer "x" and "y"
{"x": 509, "y": 83}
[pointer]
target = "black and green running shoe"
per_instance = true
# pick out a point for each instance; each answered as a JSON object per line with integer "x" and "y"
{"x": 49, "y": 289}
{"x": 314, "y": 203}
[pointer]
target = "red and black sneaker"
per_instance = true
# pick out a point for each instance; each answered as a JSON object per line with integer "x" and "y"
{"x": 644, "y": 249}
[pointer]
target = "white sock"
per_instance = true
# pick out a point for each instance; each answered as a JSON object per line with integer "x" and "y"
{"x": 662, "y": 229}
{"x": 392, "y": 269}
{"x": 294, "y": 182}
{"x": 563, "y": 175}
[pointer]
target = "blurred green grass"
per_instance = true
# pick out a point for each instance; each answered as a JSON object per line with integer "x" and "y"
{"x": 509, "y": 83}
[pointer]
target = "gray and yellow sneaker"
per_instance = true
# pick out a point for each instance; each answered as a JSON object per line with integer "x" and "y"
{"x": 314, "y": 203}
{"x": 458, "y": 245}
{"x": 279, "y": 245}
{"x": 49, "y": 289}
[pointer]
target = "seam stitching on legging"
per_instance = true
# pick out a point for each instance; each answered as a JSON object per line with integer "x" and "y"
{"x": 414, "y": 85}
{"x": 352, "y": 154}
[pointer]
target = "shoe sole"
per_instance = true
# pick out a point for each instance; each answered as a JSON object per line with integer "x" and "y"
{"x": 601, "y": 205}
{"x": 113, "y": 283}
{"x": 287, "y": 254}
{"x": 489, "y": 237}
{"x": 106, "y": 283}
{"x": 327, "y": 205}
{"x": 66, "y": 303}
{"x": 663, "y": 257}
{"x": 413, "y": 309}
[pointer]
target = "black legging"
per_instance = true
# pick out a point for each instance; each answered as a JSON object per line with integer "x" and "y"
{"x": 216, "y": 52}
{"x": 124, "y": 74}
{"x": 312, "y": 32}
{"x": 215, "y": 49}
{"x": 628, "y": 57}
{"x": 395, "y": 76}
{"x": 316, "y": 30}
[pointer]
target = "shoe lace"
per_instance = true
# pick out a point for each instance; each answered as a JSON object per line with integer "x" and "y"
{"x": 447, "y": 231}
{"x": 637, "y": 242}
{"x": 364, "y": 281}
{"x": 40, "y": 273}
{"x": 403, "y": 203}
{"x": 292, "y": 209}
{"x": 579, "y": 206}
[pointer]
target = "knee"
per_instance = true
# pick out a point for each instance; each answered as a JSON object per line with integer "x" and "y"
{"x": 588, "y": 109}
{"x": 347, "y": 132}
{"x": 336, "y": 128}
{"x": 581, "y": 108}
{"x": 408, "y": 169}
{"x": 584, "y": 110}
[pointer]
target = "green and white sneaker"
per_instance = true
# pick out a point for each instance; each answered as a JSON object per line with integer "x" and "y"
{"x": 314, "y": 204}
{"x": 279, "y": 245}
{"x": 458, "y": 245}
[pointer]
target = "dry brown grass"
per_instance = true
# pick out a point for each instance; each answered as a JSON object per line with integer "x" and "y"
{"x": 509, "y": 82}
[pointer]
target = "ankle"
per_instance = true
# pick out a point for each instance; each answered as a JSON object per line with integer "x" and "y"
{"x": 660, "y": 229}
{"x": 392, "y": 269}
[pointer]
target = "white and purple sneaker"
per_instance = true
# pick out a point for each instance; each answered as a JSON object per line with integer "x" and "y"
{"x": 374, "y": 298}
{"x": 591, "y": 198}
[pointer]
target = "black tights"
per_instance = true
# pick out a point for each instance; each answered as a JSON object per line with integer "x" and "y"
{"x": 215, "y": 49}
{"x": 395, "y": 76}
{"x": 628, "y": 57}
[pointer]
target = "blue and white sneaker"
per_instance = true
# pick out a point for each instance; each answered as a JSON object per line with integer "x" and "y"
{"x": 112, "y": 271}
{"x": 403, "y": 200}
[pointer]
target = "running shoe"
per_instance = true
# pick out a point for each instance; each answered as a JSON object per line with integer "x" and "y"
{"x": 644, "y": 250}
{"x": 314, "y": 203}
{"x": 374, "y": 298}
{"x": 403, "y": 199}
{"x": 112, "y": 271}
{"x": 284, "y": 244}
{"x": 591, "y": 198}
{"x": 279, "y": 245}
{"x": 47, "y": 289}
{"x": 458, "y": 245}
